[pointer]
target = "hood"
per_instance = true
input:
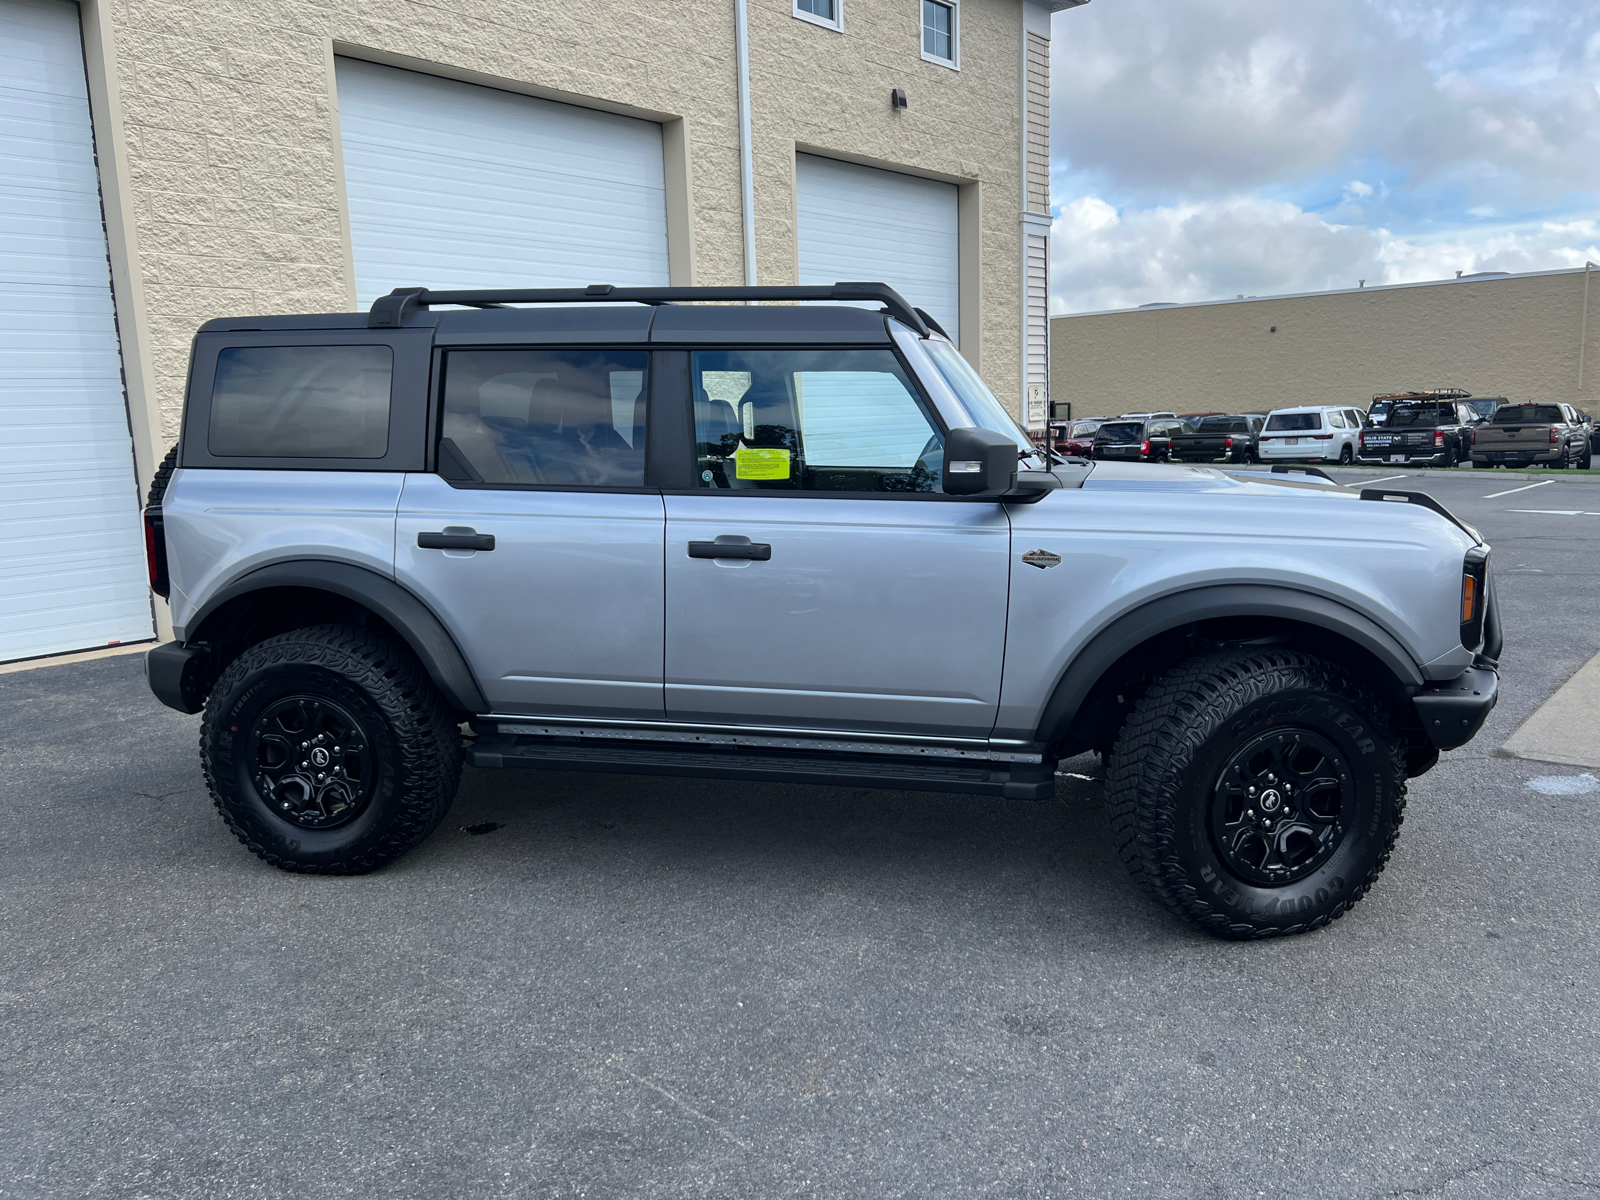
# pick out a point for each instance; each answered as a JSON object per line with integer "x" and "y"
{"x": 1154, "y": 477}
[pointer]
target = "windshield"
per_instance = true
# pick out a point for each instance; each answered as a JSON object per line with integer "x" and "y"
{"x": 1222, "y": 425}
{"x": 1120, "y": 432}
{"x": 1511, "y": 414}
{"x": 1293, "y": 421}
{"x": 1422, "y": 414}
{"x": 974, "y": 393}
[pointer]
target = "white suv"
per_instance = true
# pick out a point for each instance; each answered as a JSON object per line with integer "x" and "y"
{"x": 1319, "y": 433}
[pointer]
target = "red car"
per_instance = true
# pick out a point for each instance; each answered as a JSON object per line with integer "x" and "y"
{"x": 1079, "y": 439}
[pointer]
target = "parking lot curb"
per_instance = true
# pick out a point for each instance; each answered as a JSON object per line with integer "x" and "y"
{"x": 1563, "y": 728}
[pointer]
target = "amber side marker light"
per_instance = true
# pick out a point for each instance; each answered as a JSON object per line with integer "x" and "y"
{"x": 1469, "y": 599}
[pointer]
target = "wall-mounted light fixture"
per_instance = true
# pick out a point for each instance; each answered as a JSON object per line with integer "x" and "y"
{"x": 897, "y": 98}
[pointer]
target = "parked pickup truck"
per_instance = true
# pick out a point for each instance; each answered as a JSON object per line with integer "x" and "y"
{"x": 1219, "y": 439}
{"x": 1521, "y": 435}
{"x": 1436, "y": 432}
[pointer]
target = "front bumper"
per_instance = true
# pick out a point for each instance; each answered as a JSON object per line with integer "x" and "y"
{"x": 1452, "y": 712}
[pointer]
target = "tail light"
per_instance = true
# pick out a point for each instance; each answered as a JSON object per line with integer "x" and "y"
{"x": 1362, "y": 439}
{"x": 1227, "y": 443}
{"x": 1438, "y": 439}
{"x": 1472, "y": 437}
{"x": 1554, "y": 436}
{"x": 155, "y": 551}
{"x": 1323, "y": 437}
{"x": 1145, "y": 448}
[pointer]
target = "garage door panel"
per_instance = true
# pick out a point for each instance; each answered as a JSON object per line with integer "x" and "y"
{"x": 71, "y": 550}
{"x": 865, "y": 223}
{"x": 452, "y": 185}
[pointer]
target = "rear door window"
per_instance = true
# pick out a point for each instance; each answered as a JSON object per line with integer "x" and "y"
{"x": 301, "y": 402}
{"x": 544, "y": 418}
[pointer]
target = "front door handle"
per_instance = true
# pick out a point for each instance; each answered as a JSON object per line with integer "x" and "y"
{"x": 456, "y": 539}
{"x": 758, "y": 551}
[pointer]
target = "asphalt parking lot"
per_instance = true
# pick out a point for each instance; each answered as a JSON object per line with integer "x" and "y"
{"x": 617, "y": 986}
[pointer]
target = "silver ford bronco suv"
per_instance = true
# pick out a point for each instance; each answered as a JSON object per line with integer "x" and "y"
{"x": 630, "y": 531}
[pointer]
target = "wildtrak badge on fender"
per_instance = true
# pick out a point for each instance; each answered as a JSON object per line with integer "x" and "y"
{"x": 629, "y": 530}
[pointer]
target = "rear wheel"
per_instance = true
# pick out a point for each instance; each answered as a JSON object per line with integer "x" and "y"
{"x": 1256, "y": 792}
{"x": 1587, "y": 460}
{"x": 329, "y": 750}
{"x": 1347, "y": 456}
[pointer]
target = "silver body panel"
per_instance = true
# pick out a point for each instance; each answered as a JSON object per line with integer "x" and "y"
{"x": 871, "y": 614}
{"x": 564, "y": 615}
{"x": 222, "y": 524}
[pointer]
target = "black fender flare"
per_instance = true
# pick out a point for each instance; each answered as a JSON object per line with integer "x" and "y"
{"x": 408, "y": 616}
{"x": 1204, "y": 603}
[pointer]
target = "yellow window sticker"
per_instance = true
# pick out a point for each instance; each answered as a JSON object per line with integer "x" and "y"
{"x": 751, "y": 463}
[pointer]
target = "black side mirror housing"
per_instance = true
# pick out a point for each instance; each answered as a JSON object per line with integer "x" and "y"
{"x": 979, "y": 462}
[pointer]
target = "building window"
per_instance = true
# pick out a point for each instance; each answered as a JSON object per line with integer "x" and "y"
{"x": 940, "y": 31}
{"x": 821, "y": 12}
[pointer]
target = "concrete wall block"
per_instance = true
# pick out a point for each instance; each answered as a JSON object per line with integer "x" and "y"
{"x": 182, "y": 177}
{"x": 168, "y": 145}
{"x": 142, "y": 110}
{"x": 180, "y": 208}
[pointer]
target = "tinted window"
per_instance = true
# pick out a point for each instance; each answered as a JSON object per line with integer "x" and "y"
{"x": 1293, "y": 421}
{"x": 812, "y": 420}
{"x": 301, "y": 402}
{"x": 1120, "y": 432}
{"x": 1221, "y": 425}
{"x": 1336, "y": 420}
{"x": 1082, "y": 429}
{"x": 1423, "y": 414}
{"x": 552, "y": 417}
{"x": 1540, "y": 414}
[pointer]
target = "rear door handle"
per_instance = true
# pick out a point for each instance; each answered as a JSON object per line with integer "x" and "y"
{"x": 462, "y": 540}
{"x": 759, "y": 551}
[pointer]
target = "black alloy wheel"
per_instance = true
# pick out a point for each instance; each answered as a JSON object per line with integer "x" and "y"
{"x": 313, "y": 761}
{"x": 1277, "y": 810}
{"x": 329, "y": 750}
{"x": 1256, "y": 792}
{"x": 1347, "y": 455}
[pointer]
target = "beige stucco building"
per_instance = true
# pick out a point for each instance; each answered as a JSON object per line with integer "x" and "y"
{"x": 1523, "y": 336}
{"x": 275, "y": 156}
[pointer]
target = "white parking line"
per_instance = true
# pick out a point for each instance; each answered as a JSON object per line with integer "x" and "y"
{"x": 1556, "y": 512}
{"x": 1524, "y": 488}
{"x": 1388, "y": 479}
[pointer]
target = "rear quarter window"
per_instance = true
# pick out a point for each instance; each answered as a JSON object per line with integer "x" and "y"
{"x": 301, "y": 402}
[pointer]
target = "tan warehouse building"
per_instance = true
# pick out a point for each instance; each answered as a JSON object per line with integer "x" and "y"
{"x": 1528, "y": 337}
{"x": 291, "y": 156}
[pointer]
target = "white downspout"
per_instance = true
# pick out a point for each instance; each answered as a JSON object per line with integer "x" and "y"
{"x": 747, "y": 184}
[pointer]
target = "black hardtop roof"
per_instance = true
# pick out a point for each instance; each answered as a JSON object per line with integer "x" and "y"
{"x": 605, "y": 314}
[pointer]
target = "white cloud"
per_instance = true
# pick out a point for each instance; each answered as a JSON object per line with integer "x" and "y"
{"x": 1356, "y": 188}
{"x": 1102, "y": 258}
{"x": 1218, "y": 97}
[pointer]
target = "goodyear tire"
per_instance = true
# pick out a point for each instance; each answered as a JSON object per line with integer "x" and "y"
{"x": 1256, "y": 793}
{"x": 329, "y": 750}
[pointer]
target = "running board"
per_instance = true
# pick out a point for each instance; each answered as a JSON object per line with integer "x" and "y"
{"x": 1017, "y": 781}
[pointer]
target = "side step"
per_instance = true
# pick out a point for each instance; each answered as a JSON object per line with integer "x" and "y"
{"x": 1017, "y": 781}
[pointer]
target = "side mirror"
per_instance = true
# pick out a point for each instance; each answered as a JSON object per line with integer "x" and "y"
{"x": 979, "y": 462}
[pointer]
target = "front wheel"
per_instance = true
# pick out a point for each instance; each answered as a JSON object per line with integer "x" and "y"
{"x": 329, "y": 750}
{"x": 1256, "y": 792}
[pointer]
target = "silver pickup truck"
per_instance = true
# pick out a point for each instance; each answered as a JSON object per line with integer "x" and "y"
{"x": 626, "y": 531}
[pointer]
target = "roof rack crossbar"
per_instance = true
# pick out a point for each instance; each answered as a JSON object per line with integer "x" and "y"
{"x": 390, "y": 312}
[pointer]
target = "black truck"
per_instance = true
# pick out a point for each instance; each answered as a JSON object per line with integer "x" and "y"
{"x": 1431, "y": 431}
{"x": 1219, "y": 438}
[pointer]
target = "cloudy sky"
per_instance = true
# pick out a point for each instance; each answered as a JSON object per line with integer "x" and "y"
{"x": 1205, "y": 149}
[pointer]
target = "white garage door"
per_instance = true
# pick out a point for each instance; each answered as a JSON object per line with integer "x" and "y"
{"x": 862, "y": 223}
{"x": 72, "y": 572}
{"x": 452, "y": 185}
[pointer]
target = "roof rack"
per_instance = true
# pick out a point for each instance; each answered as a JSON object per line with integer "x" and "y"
{"x": 1438, "y": 393}
{"x": 390, "y": 312}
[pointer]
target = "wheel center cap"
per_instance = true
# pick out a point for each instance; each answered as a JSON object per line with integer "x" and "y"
{"x": 1271, "y": 801}
{"x": 319, "y": 757}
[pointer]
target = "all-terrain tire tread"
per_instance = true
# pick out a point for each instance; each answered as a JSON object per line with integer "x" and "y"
{"x": 431, "y": 750}
{"x": 163, "y": 475}
{"x": 1165, "y": 731}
